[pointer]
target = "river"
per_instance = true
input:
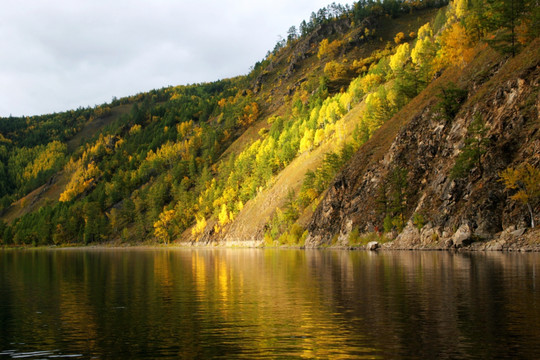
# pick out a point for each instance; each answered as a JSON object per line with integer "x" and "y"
{"x": 268, "y": 303}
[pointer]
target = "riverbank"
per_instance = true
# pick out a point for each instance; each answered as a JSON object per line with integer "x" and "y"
{"x": 513, "y": 240}
{"x": 510, "y": 240}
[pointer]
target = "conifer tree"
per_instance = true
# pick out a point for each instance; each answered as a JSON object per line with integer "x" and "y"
{"x": 504, "y": 16}
{"x": 476, "y": 144}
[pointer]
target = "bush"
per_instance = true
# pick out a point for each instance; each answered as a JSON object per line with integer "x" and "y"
{"x": 354, "y": 236}
{"x": 294, "y": 236}
{"x": 418, "y": 221}
{"x": 451, "y": 99}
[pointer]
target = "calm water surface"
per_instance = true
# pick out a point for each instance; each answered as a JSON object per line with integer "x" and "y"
{"x": 253, "y": 303}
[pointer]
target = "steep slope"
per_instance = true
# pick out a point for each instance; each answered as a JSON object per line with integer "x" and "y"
{"x": 50, "y": 191}
{"x": 181, "y": 162}
{"x": 387, "y": 121}
{"x": 455, "y": 211}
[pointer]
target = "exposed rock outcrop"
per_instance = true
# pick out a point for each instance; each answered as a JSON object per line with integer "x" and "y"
{"x": 459, "y": 212}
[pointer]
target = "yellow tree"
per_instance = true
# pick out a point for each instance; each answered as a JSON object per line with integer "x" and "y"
{"x": 162, "y": 227}
{"x": 398, "y": 60}
{"x": 323, "y": 48}
{"x": 335, "y": 70}
{"x": 251, "y": 113}
{"x": 199, "y": 227}
{"x": 424, "y": 50}
{"x": 456, "y": 47}
{"x": 328, "y": 48}
{"x": 400, "y": 36}
{"x": 525, "y": 180}
{"x": 306, "y": 143}
{"x": 223, "y": 215}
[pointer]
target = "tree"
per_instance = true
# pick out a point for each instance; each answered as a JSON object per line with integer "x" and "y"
{"x": 398, "y": 196}
{"x": 398, "y": 60}
{"x": 451, "y": 98}
{"x": 476, "y": 145}
{"x": 328, "y": 48}
{"x": 303, "y": 28}
{"x": 410, "y": 80}
{"x": 199, "y": 227}
{"x": 400, "y": 36}
{"x": 335, "y": 70}
{"x": 92, "y": 222}
{"x": 223, "y": 216}
{"x": 425, "y": 49}
{"x": 525, "y": 180}
{"x": 292, "y": 34}
{"x": 162, "y": 227}
{"x": 505, "y": 16}
{"x": 378, "y": 109}
{"x": 456, "y": 46}
{"x": 128, "y": 210}
{"x": 115, "y": 220}
{"x": 392, "y": 199}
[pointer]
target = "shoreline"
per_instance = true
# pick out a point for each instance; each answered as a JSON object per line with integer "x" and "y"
{"x": 479, "y": 246}
{"x": 511, "y": 240}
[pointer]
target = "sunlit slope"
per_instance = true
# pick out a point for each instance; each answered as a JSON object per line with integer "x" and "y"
{"x": 253, "y": 157}
{"x": 55, "y": 185}
{"x": 443, "y": 205}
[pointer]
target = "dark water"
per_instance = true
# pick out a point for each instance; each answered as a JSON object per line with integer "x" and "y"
{"x": 252, "y": 303}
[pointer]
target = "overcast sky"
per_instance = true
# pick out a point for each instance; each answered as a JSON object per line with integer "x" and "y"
{"x": 58, "y": 55}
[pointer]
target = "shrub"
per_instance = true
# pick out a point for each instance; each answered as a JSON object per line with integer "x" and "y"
{"x": 418, "y": 221}
{"x": 451, "y": 99}
{"x": 354, "y": 236}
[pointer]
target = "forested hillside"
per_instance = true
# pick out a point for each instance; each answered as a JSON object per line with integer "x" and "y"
{"x": 346, "y": 102}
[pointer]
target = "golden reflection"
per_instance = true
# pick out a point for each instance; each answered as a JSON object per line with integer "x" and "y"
{"x": 253, "y": 303}
{"x": 223, "y": 280}
{"x": 162, "y": 269}
{"x": 199, "y": 272}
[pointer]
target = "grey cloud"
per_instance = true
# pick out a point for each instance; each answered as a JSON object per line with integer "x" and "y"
{"x": 62, "y": 54}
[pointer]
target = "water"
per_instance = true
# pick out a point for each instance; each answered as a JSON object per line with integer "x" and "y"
{"x": 253, "y": 303}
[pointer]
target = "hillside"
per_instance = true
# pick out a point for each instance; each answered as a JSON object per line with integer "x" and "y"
{"x": 425, "y": 146}
{"x": 387, "y": 121}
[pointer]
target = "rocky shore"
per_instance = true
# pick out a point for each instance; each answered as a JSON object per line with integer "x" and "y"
{"x": 511, "y": 239}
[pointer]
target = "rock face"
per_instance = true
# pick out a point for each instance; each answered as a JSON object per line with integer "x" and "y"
{"x": 462, "y": 237}
{"x": 425, "y": 144}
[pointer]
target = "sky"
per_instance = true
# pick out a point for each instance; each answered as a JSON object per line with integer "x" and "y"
{"x": 58, "y": 55}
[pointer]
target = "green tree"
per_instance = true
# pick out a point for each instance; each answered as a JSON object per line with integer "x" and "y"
{"x": 398, "y": 196}
{"x": 92, "y": 222}
{"x": 504, "y": 17}
{"x": 476, "y": 145}
{"x": 451, "y": 98}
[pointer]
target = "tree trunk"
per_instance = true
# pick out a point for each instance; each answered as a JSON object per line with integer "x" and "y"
{"x": 531, "y": 214}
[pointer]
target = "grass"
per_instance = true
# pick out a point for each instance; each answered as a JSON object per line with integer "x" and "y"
{"x": 357, "y": 239}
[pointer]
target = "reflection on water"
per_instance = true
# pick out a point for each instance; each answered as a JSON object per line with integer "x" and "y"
{"x": 253, "y": 303}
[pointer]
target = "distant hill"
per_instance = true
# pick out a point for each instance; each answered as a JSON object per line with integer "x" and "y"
{"x": 409, "y": 123}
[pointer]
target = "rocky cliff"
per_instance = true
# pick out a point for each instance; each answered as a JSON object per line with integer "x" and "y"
{"x": 425, "y": 145}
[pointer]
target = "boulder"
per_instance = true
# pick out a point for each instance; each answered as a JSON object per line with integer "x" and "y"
{"x": 429, "y": 235}
{"x": 372, "y": 245}
{"x": 518, "y": 232}
{"x": 462, "y": 237}
{"x": 409, "y": 236}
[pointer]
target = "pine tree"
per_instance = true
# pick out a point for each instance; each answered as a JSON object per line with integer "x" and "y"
{"x": 476, "y": 144}
{"x": 504, "y": 16}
